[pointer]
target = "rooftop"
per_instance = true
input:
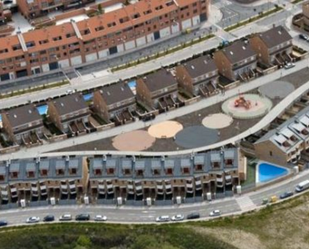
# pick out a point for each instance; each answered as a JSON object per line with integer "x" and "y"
{"x": 200, "y": 66}
{"x": 275, "y": 36}
{"x": 159, "y": 80}
{"x": 70, "y": 103}
{"x": 238, "y": 51}
{"x": 116, "y": 92}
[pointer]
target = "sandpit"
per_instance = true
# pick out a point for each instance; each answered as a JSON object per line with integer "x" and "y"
{"x": 133, "y": 141}
{"x": 217, "y": 121}
{"x": 165, "y": 129}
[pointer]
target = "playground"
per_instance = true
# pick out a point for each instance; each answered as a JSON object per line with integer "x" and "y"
{"x": 247, "y": 106}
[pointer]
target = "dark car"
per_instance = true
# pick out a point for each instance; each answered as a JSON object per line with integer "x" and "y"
{"x": 3, "y": 223}
{"x": 81, "y": 217}
{"x": 49, "y": 218}
{"x": 304, "y": 37}
{"x": 286, "y": 194}
{"x": 193, "y": 216}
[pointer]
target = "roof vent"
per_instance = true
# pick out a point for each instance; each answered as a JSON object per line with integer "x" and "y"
{"x": 108, "y": 93}
{"x": 122, "y": 89}
{"x": 76, "y": 99}
{"x": 192, "y": 67}
{"x": 62, "y": 104}
{"x": 279, "y": 32}
{"x": 15, "y": 116}
{"x": 231, "y": 52}
{"x": 205, "y": 62}
{"x": 243, "y": 47}
{"x": 30, "y": 111}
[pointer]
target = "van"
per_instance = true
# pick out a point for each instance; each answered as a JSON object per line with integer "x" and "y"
{"x": 273, "y": 199}
{"x": 302, "y": 186}
{"x": 163, "y": 218}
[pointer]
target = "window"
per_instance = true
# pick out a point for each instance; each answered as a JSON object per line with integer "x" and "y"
{"x": 43, "y": 172}
{"x": 270, "y": 153}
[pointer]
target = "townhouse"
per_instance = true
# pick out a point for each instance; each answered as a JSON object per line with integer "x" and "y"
{"x": 163, "y": 179}
{"x": 157, "y": 90}
{"x": 238, "y": 61}
{"x": 23, "y": 124}
{"x": 115, "y": 101}
{"x": 198, "y": 76}
{"x": 274, "y": 46}
{"x": 37, "y": 8}
{"x": 69, "y": 113}
{"x": 287, "y": 143}
{"x": 73, "y": 43}
{"x": 41, "y": 179}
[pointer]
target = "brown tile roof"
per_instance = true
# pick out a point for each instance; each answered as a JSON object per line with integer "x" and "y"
{"x": 200, "y": 66}
{"x": 70, "y": 103}
{"x": 159, "y": 80}
{"x": 116, "y": 92}
{"x": 238, "y": 51}
{"x": 275, "y": 36}
{"x": 92, "y": 23}
{"x": 23, "y": 115}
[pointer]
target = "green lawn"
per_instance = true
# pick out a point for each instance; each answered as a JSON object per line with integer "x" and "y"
{"x": 251, "y": 172}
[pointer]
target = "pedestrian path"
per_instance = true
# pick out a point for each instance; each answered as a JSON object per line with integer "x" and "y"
{"x": 245, "y": 203}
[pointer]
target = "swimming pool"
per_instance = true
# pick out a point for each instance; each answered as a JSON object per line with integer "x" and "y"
{"x": 266, "y": 172}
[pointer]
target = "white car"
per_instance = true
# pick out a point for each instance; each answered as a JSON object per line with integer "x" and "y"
{"x": 289, "y": 65}
{"x": 33, "y": 219}
{"x": 178, "y": 217}
{"x": 65, "y": 217}
{"x": 100, "y": 218}
{"x": 215, "y": 213}
{"x": 163, "y": 218}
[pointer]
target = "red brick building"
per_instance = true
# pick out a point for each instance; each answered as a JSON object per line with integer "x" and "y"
{"x": 75, "y": 43}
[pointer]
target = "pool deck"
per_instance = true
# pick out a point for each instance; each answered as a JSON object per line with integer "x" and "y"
{"x": 257, "y": 177}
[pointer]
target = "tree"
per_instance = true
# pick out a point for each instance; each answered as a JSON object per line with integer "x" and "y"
{"x": 83, "y": 242}
{"x": 100, "y": 9}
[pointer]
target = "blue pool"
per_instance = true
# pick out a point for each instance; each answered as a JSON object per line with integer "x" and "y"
{"x": 267, "y": 172}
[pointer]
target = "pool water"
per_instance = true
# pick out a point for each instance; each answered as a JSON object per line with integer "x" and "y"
{"x": 267, "y": 172}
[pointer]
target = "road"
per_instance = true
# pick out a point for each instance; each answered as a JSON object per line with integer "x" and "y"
{"x": 127, "y": 214}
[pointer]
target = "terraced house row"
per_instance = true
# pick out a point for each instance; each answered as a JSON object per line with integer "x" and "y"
{"x": 74, "y": 43}
{"x": 107, "y": 179}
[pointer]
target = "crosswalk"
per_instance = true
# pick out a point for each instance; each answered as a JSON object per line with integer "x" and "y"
{"x": 245, "y": 203}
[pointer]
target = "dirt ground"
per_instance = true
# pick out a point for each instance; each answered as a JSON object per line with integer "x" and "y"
{"x": 195, "y": 118}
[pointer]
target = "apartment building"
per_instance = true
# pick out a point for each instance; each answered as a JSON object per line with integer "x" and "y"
{"x": 273, "y": 46}
{"x": 165, "y": 178}
{"x": 42, "y": 179}
{"x": 287, "y": 143}
{"x": 115, "y": 101}
{"x": 238, "y": 61}
{"x": 198, "y": 76}
{"x": 23, "y": 122}
{"x": 69, "y": 113}
{"x": 74, "y": 43}
{"x": 36, "y": 8}
{"x": 157, "y": 90}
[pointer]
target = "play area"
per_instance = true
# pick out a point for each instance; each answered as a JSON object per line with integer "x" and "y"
{"x": 133, "y": 141}
{"x": 217, "y": 121}
{"x": 245, "y": 106}
{"x": 165, "y": 129}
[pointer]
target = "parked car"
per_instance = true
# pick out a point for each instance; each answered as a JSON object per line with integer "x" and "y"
{"x": 3, "y": 223}
{"x": 215, "y": 213}
{"x": 81, "y": 217}
{"x": 178, "y": 217}
{"x": 286, "y": 194}
{"x": 48, "y": 218}
{"x": 304, "y": 37}
{"x": 33, "y": 219}
{"x": 194, "y": 215}
{"x": 65, "y": 217}
{"x": 163, "y": 218}
{"x": 100, "y": 218}
{"x": 289, "y": 65}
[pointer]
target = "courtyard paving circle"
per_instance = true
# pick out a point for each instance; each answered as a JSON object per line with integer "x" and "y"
{"x": 196, "y": 136}
{"x": 217, "y": 121}
{"x": 245, "y": 106}
{"x": 133, "y": 141}
{"x": 277, "y": 89}
{"x": 165, "y": 129}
